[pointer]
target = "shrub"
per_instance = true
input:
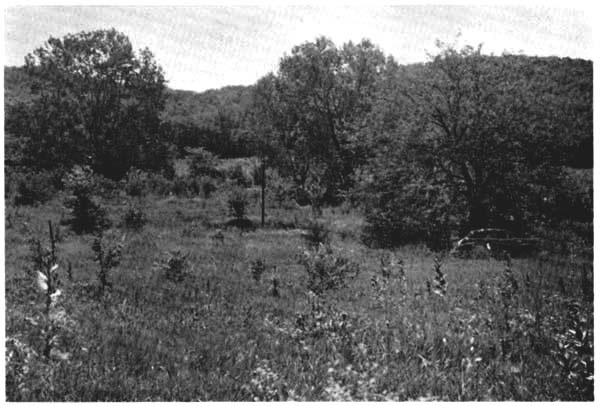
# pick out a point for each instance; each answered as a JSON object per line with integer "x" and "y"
{"x": 281, "y": 189}
{"x": 135, "y": 182}
{"x": 239, "y": 176}
{"x": 203, "y": 163}
{"x": 87, "y": 215}
{"x": 174, "y": 265}
{"x": 316, "y": 233}
{"x": 104, "y": 186}
{"x": 158, "y": 184}
{"x": 30, "y": 188}
{"x": 257, "y": 268}
{"x": 418, "y": 211}
{"x": 238, "y": 203}
{"x": 107, "y": 253}
{"x": 257, "y": 174}
{"x": 134, "y": 218}
{"x": 208, "y": 186}
{"x": 327, "y": 270}
{"x": 186, "y": 186}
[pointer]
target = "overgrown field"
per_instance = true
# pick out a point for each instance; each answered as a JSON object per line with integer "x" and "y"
{"x": 197, "y": 311}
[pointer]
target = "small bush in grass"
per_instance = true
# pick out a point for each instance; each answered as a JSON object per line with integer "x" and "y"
{"x": 174, "y": 265}
{"x": 327, "y": 270}
{"x": 203, "y": 163}
{"x": 134, "y": 218}
{"x": 257, "y": 268}
{"x": 31, "y": 188}
{"x": 238, "y": 203}
{"x": 239, "y": 176}
{"x": 316, "y": 233}
{"x": 208, "y": 186}
{"x": 86, "y": 215}
{"x": 158, "y": 184}
{"x": 107, "y": 253}
{"x": 135, "y": 182}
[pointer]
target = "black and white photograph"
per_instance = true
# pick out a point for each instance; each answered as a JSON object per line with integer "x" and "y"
{"x": 358, "y": 202}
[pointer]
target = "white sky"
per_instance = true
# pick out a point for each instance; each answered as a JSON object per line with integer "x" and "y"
{"x": 211, "y": 46}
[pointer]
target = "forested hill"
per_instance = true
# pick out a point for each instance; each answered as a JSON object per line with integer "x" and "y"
{"x": 216, "y": 119}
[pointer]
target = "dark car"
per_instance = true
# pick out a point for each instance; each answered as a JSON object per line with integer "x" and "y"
{"x": 494, "y": 242}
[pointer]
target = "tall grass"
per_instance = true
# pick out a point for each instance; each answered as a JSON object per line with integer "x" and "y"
{"x": 521, "y": 330}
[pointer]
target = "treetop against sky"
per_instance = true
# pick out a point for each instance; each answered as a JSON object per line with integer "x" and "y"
{"x": 213, "y": 46}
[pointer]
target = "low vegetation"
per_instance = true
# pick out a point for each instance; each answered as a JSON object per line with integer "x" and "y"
{"x": 265, "y": 316}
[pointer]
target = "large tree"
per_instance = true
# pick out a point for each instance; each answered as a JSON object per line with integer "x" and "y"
{"x": 97, "y": 102}
{"x": 470, "y": 128}
{"x": 313, "y": 106}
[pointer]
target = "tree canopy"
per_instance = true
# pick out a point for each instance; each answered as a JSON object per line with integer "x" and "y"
{"x": 314, "y": 103}
{"x": 468, "y": 129}
{"x": 97, "y": 102}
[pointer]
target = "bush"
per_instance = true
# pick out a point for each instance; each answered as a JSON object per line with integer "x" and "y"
{"x": 135, "y": 182}
{"x": 238, "y": 175}
{"x": 257, "y": 174}
{"x": 186, "y": 186}
{"x": 317, "y": 233}
{"x": 134, "y": 218}
{"x": 238, "y": 203}
{"x": 257, "y": 269}
{"x": 86, "y": 215}
{"x": 281, "y": 189}
{"x": 159, "y": 184}
{"x": 327, "y": 270}
{"x": 417, "y": 211}
{"x": 107, "y": 253}
{"x": 209, "y": 186}
{"x": 203, "y": 163}
{"x": 174, "y": 265}
{"x": 30, "y": 188}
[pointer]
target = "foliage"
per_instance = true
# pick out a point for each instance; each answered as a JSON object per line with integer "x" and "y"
{"x": 174, "y": 265}
{"x": 134, "y": 218}
{"x": 257, "y": 269}
{"x": 107, "y": 253}
{"x": 460, "y": 142}
{"x": 45, "y": 269}
{"x": 214, "y": 120}
{"x": 575, "y": 352}
{"x": 86, "y": 215}
{"x": 203, "y": 163}
{"x": 327, "y": 270}
{"x": 96, "y": 103}
{"x": 238, "y": 176}
{"x": 29, "y": 187}
{"x": 317, "y": 233}
{"x": 309, "y": 109}
{"x": 135, "y": 182}
{"x": 209, "y": 186}
{"x": 238, "y": 202}
{"x": 404, "y": 206}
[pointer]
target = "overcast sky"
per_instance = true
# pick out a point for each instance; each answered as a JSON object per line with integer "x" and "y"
{"x": 210, "y": 46}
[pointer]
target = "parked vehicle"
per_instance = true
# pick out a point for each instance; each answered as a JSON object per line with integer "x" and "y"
{"x": 494, "y": 242}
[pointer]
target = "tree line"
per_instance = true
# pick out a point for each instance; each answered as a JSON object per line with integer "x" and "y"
{"x": 464, "y": 140}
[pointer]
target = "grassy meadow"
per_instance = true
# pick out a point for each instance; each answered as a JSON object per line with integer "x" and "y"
{"x": 196, "y": 311}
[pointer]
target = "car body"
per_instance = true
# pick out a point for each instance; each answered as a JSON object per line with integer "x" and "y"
{"x": 494, "y": 242}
